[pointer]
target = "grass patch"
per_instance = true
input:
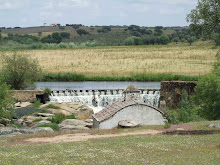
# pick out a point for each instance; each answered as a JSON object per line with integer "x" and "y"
{"x": 37, "y": 120}
{"x": 36, "y": 104}
{"x": 71, "y": 116}
{"x": 54, "y": 126}
{"x": 51, "y": 106}
{"x": 57, "y": 118}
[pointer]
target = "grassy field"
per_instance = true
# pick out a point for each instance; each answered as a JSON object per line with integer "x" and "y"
{"x": 126, "y": 61}
{"x": 154, "y": 149}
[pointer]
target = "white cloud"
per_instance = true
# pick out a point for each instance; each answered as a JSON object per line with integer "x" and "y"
{"x": 63, "y": 4}
{"x": 169, "y": 2}
{"x": 169, "y": 11}
{"x": 12, "y": 4}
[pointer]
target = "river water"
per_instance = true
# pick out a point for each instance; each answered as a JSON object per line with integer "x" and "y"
{"x": 95, "y": 85}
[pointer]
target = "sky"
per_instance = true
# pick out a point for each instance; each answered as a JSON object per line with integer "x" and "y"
{"x": 27, "y": 13}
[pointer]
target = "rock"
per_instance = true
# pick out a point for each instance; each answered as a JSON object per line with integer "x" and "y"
{"x": 42, "y": 122}
{"x": 22, "y": 104}
{"x": 1, "y": 125}
{"x": 14, "y": 131}
{"x": 28, "y": 120}
{"x": 73, "y": 124}
{"x": 214, "y": 125}
{"x": 4, "y": 121}
{"x": 43, "y": 115}
{"x": 81, "y": 112}
{"x": 127, "y": 124}
{"x": 88, "y": 121}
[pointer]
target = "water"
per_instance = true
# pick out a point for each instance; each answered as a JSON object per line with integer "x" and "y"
{"x": 95, "y": 85}
{"x": 98, "y": 95}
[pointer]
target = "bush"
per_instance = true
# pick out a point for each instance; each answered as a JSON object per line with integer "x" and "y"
{"x": 58, "y": 118}
{"x": 133, "y": 41}
{"x": 6, "y": 100}
{"x": 48, "y": 91}
{"x": 207, "y": 97}
{"x": 167, "y": 125}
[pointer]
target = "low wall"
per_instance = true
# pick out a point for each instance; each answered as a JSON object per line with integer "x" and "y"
{"x": 171, "y": 91}
{"x": 28, "y": 95}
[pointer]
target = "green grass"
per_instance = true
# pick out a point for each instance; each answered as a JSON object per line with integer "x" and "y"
{"x": 36, "y": 104}
{"x": 70, "y": 117}
{"x": 68, "y": 77}
{"x": 51, "y": 106}
{"x": 184, "y": 150}
{"x": 54, "y": 126}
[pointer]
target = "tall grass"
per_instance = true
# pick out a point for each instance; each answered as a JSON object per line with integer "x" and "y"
{"x": 69, "y": 77}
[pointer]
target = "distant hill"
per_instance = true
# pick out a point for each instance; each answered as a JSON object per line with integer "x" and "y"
{"x": 116, "y": 36}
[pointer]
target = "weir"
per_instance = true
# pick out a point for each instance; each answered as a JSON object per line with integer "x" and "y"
{"x": 99, "y": 99}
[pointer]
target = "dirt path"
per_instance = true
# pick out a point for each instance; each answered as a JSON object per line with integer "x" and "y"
{"x": 86, "y": 136}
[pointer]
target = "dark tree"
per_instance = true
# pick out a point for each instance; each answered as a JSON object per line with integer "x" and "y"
{"x": 82, "y": 32}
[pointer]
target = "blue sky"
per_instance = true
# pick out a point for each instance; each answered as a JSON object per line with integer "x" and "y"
{"x": 27, "y": 13}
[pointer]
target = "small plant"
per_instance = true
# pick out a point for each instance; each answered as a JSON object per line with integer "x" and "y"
{"x": 167, "y": 125}
{"x": 71, "y": 116}
{"x": 58, "y": 118}
{"x": 47, "y": 90}
{"x": 37, "y": 120}
{"x": 44, "y": 111}
{"x": 37, "y": 104}
{"x": 53, "y": 126}
{"x": 51, "y": 106}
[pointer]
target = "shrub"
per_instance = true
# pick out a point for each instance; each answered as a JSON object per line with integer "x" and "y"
{"x": 58, "y": 118}
{"x": 207, "y": 96}
{"x": 133, "y": 41}
{"x": 48, "y": 91}
{"x": 167, "y": 125}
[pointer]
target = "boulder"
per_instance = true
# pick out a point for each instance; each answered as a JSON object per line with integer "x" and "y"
{"x": 14, "y": 131}
{"x": 22, "y": 104}
{"x": 127, "y": 124}
{"x": 29, "y": 120}
{"x": 4, "y": 121}
{"x": 48, "y": 115}
{"x": 214, "y": 125}
{"x": 42, "y": 122}
{"x": 81, "y": 112}
{"x": 73, "y": 124}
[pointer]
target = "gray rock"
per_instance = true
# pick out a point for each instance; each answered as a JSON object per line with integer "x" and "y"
{"x": 43, "y": 114}
{"x": 42, "y": 122}
{"x": 214, "y": 125}
{"x": 127, "y": 124}
{"x": 1, "y": 125}
{"x": 13, "y": 131}
{"x": 4, "y": 121}
{"x": 73, "y": 124}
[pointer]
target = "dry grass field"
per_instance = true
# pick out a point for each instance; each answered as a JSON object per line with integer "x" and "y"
{"x": 124, "y": 60}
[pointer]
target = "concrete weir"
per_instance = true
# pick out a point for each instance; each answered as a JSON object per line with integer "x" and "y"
{"x": 99, "y": 99}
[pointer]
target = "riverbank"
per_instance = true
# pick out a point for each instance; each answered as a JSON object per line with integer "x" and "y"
{"x": 72, "y": 77}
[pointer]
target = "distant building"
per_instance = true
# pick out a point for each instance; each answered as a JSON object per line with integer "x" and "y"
{"x": 55, "y": 25}
{"x": 129, "y": 108}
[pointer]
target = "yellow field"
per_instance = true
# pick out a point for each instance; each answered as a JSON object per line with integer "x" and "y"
{"x": 108, "y": 61}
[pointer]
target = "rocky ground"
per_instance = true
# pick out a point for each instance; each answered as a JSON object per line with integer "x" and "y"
{"x": 44, "y": 118}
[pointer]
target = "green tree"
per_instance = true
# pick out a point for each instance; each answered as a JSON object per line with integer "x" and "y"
{"x": 6, "y": 100}
{"x": 205, "y": 18}
{"x": 164, "y": 39}
{"x": 82, "y": 31}
{"x": 56, "y": 37}
{"x": 20, "y": 71}
{"x": 133, "y": 41}
{"x": 207, "y": 96}
{"x": 190, "y": 40}
{"x": 65, "y": 35}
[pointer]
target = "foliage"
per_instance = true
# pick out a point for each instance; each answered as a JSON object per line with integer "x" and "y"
{"x": 70, "y": 116}
{"x": 207, "y": 96}
{"x": 164, "y": 39}
{"x": 54, "y": 38}
{"x": 20, "y": 71}
{"x": 82, "y": 32}
{"x": 58, "y": 118}
{"x": 37, "y": 120}
{"x": 65, "y": 35}
{"x": 54, "y": 126}
{"x": 51, "y": 106}
{"x": 48, "y": 91}
{"x": 205, "y": 18}
{"x": 36, "y": 104}
{"x": 133, "y": 41}
{"x": 6, "y": 100}
{"x": 167, "y": 125}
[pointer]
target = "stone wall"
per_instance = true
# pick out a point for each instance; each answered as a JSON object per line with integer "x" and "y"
{"x": 28, "y": 95}
{"x": 171, "y": 91}
{"x": 141, "y": 114}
